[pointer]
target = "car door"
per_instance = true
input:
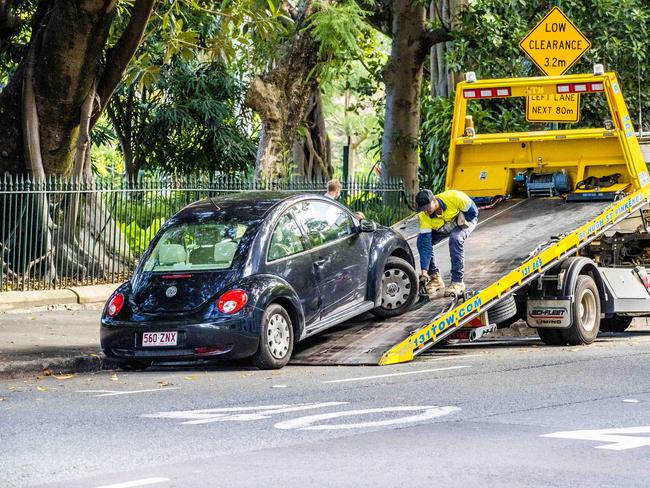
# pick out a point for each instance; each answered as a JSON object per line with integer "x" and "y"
{"x": 339, "y": 253}
{"x": 287, "y": 257}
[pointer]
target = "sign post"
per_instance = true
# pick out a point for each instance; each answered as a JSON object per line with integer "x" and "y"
{"x": 554, "y": 45}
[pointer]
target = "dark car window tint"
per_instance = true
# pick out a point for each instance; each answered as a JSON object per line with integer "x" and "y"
{"x": 285, "y": 240}
{"x": 196, "y": 246}
{"x": 323, "y": 222}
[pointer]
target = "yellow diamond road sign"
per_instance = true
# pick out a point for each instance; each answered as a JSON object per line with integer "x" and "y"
{"x": 555, "y": 43}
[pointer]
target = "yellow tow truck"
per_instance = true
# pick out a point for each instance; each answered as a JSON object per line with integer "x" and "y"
{"x": 562, "y": 240}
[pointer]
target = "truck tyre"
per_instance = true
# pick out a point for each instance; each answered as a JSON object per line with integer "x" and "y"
{"x": 505, "y": 312}
{"x": 552, "y": 337}
{"x": 399, "y": 288}
{"x": 616, "y": 323}
{"x": 585, "y": 313}
{"x": 276, "y": 339}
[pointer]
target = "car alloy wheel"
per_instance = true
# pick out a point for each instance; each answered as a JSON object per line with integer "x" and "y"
{"x": 278, "y": 336}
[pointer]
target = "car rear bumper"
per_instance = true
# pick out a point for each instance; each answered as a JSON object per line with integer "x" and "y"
{"x": 225, "y": 339}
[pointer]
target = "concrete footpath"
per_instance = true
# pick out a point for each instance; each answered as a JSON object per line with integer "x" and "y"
{"x": 52, "y": 331}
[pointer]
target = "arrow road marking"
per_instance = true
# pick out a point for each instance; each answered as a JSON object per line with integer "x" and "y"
{"x": 615, "y": 439}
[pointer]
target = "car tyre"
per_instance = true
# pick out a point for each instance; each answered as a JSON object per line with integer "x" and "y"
{"x": 617, "y": 323}
{"x": 399, "y": 288}
{"x": 276, "y": 339}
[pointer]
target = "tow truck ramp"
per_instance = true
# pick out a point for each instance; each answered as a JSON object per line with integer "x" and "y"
{"x": 518, "y": 240}
{"x": 511, "y": 245}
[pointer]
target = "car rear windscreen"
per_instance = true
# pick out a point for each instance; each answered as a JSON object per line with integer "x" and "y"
{"x": 196, "y": 246}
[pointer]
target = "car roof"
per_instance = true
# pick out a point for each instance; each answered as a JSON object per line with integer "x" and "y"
{"x": 251, "y": 205}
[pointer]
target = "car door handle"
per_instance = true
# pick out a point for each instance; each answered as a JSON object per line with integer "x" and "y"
{"x": 319, "y": 263}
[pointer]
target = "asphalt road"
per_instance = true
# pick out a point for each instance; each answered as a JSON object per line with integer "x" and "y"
{"x": 494, "y": 413}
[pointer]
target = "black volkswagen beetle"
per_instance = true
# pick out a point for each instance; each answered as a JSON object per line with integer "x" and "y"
{"x": 251, "y": 274}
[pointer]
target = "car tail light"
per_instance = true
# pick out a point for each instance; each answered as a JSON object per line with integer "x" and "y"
{"x": 115, "y": 304}
{"x": 232, "y": 301}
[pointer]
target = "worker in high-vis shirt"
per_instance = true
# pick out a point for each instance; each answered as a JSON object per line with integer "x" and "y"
{"x": 450, "y": 214}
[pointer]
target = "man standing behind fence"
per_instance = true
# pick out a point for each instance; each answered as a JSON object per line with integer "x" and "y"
{"x": 334, "y": 192}
{"x": 333, "y": 189}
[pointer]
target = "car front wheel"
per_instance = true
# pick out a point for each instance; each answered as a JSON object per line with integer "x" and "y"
{"x": 399, "y": 288}
{"x": 276, "y": 339}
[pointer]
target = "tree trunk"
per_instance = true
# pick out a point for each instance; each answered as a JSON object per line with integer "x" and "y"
{"x": 403, "y": 80}
{"x": 312, "y": 155}
{"x": 443, "y": 80}
{"x": 46, "y": 113}
{"x": 281, "y": 97}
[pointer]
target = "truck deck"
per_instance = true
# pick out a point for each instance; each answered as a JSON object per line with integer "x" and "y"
{"x": 505, "y": 237}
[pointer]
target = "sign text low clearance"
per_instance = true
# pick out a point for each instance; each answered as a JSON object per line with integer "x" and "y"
{"x": 562, "y": 107}
{"x": 555, "y": 43}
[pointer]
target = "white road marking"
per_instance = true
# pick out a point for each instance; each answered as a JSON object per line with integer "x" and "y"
{"x": 306, "y": 423}
{"x": 133, "y": 484}
{"x": 630, "y": 400}
{"x": 388, "y": 375}
{"x": 278, "y": 386}
{"x": 615, "y": 439}
{"x": 429, "y": 359}
{"x": 104, "y": 393}
{"x": 234, "y": 414}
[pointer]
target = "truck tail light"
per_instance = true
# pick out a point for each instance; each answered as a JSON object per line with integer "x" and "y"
{"x": 594, "y": 87}
{"x": 232, "y": 301}
{"x": 475, "y": 93}
{"x": 115, "y": 304}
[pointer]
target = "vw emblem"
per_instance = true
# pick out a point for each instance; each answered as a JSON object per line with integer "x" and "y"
{"x": 171, "y": 291}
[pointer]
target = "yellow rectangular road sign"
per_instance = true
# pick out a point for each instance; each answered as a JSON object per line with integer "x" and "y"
{"x": 555, "y": 43}
{"x": 560, "y": 107}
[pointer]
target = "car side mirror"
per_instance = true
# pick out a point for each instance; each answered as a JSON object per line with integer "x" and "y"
{"x": 367, "y": 226}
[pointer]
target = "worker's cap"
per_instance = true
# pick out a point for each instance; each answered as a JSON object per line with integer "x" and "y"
{"x": 423, "y": 199}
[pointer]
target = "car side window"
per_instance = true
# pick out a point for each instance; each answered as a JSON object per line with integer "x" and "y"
{"x": 285, "y": 240}
{"x": 323, "y": 222}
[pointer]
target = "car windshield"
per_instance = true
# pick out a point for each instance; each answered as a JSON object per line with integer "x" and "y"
{"x": 196, "y": 246}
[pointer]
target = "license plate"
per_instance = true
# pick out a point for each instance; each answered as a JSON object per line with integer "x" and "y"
{"x": 150, "y": 339}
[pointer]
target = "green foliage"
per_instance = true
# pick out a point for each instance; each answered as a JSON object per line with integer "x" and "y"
{"x": 487, "y": 42}
{"x": 198, "y": 123}
{"x": 338, "y": 27}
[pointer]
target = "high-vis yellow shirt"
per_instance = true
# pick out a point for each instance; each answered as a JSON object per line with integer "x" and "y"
{"x": 453, "y": 203}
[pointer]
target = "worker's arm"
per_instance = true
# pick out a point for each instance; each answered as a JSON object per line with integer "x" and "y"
{"x": 470, "y": 211}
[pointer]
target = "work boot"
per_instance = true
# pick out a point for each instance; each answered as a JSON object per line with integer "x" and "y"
{"x": 455, "y": 289}
{"x": 435, "y": 284}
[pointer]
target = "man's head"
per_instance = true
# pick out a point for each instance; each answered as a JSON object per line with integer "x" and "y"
{"x": 425, "y": 201}
{"x": 334, "y": 189}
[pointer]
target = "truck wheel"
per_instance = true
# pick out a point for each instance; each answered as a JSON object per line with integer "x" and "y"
{"x": 552, "y": 337}
{"x": 399, "y": 288}
{"x": 276, "y": 339}
{"x": 504, "y": 313}
{"x": 617, "y": 323}
{"x": 585, "y": 313}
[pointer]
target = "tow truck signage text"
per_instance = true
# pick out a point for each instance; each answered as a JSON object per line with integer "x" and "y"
{"x": 467, "y": 308}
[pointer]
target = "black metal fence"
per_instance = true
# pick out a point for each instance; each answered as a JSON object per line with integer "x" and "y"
{"x": 60, "y": 233}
